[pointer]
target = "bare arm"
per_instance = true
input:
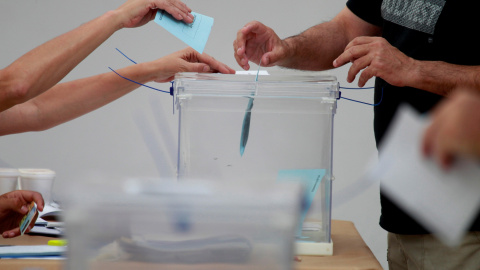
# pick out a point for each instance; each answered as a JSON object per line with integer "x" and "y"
{"x": 375, "y": 57}
{"x": 443, "y": 78}
{"x": 70, "y": 100}
{"x": 44, "y": 66}
{"x": 314, "y": 49}
{"x": 318, "y": 46}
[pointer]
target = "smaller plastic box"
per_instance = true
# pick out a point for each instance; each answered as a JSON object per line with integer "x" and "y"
{"x": 140, "y": 224}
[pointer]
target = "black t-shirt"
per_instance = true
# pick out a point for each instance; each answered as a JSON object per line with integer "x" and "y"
{"x": 433, "y": 30}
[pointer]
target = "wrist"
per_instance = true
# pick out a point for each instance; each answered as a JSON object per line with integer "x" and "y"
{"x": 288, "y": 52}
{"x": 144, "y": 72}
{"x": 115, "y": 17}
{"x": 415, "y": 73}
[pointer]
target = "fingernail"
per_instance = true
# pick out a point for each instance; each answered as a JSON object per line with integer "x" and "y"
{"x": 206, "y": 68}
{"x": 24, "y": 209}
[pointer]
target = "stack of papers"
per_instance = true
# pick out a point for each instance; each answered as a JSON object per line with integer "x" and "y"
{"x": 31, "y": 251}
{"x": 49, "y": 228}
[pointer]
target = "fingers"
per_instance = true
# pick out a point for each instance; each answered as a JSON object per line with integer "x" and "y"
{"x": 177, "y": 9}
{"x": 36, "y": 197}
{"x": 11, "y": 233}
{"x": 427, "y": 141}
{"x": 15, "y": 202}
{"x": 358, "y": 55}
{"x": 16, "y": 231}
{"x": 239, "y": 55}
{"x": 214, "y": 65}
{"x": 188, "y": 60}
{"x": 445, "y": 159}
{"x": 351, "y": 54}
{"x": 239, "y": 47}
{"x": 245, "y": 36}
{"x": 437, "y": 138}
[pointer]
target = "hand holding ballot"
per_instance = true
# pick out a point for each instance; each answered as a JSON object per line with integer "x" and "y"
{"x": 13, "y": 208}
{"x": 188, "y": 60}
{"x": 455, "y": 130}
{"x": 139, "y": 12}
{"x": 32, "y": 98}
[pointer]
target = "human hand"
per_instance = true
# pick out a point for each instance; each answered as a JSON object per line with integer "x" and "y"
{"x": 13, "y": 207}
{"x": 139, "y": 12}
{"x": 455, "y": 129}
{"x": 187, "y": 60}
{"x": 256, "y": 41}
{"x": 376, "y": 57}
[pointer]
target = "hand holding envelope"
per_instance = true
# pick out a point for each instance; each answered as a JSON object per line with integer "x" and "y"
{"x": 444, "y": 202}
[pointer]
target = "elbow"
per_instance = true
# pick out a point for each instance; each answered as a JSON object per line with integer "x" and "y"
{"x": 18, "y": 93}
{"x": 15, "y": 89}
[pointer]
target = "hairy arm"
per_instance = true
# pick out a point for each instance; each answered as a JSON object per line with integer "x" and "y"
{"x": 442, "y": 78}
{"x": 325, "y": 42}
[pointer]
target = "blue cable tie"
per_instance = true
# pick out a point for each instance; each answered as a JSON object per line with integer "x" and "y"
{"x": 163, "y": 91}
{"x": 359, "y": 88}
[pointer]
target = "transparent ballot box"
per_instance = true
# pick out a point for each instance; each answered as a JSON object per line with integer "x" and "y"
{"x": 192, "y": 226}
{"x": 270, "y": 129}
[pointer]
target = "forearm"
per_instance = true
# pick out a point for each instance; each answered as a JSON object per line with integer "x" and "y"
{"x": 318, "y": 46}
{"x": 315, "y": 48}
{"x": 44, "y": 66}
{"x": 442, "y": 78}
{"x": 67, "y": 101}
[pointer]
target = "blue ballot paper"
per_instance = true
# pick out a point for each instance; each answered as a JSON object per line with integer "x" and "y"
{"x": 246, "y": 126}
{"x": 310, "y": 180}
{"x": 194, "y": 34}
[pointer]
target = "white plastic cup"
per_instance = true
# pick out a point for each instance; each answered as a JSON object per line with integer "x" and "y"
{"x": 8, "y": 180}
{"x": 39, "y": 180}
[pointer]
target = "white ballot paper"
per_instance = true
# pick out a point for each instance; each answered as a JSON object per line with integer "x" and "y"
{"x": 444, "y": 202}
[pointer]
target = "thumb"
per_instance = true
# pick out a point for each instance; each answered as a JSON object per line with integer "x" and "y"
{"x": 270, "y": 58}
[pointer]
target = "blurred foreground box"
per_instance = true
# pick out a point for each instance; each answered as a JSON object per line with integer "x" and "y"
{"x": 154, "y": 224}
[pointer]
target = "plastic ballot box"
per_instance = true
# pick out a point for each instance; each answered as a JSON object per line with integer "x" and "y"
{"x": 155, "y": 224}
{"x": 268, "y": 128}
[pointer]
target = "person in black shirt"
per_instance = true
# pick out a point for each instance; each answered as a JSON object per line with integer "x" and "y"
{"x": 419, "y": 51}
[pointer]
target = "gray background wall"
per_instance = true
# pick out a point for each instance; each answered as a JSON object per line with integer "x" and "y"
{"x": 109, "y": 139}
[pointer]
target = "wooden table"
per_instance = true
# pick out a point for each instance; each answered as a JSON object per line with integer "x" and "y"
{"x": 349, "y": 252}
